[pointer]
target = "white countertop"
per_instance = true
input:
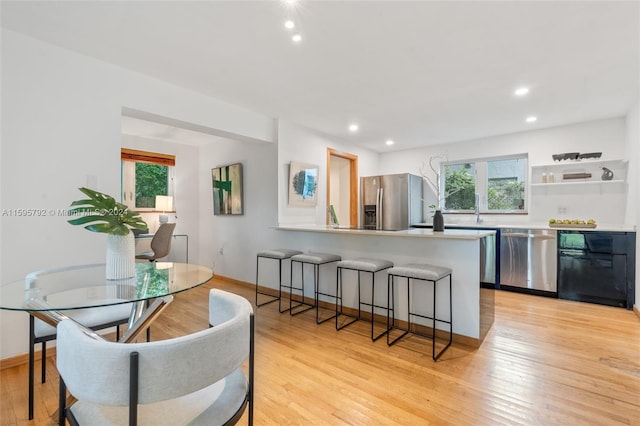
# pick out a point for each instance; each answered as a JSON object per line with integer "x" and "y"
{"x": 448, "y": 234}
{"x": 535, "y": 225}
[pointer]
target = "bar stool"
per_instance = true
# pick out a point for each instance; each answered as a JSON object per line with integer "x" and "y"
{"x": 274, "y": 254}
{"x": 360, "y": 265}
{"x": 422, "y": 272}
{"x": 317, "y": 260}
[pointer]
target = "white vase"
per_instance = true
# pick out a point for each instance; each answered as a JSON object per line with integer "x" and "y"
{"x": 121, "y": 256}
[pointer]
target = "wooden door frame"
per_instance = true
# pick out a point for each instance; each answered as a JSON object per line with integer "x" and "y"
{"x": 353, "y": 184}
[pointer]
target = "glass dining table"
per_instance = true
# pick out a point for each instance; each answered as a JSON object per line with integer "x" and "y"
{"x": 49, "y": 293}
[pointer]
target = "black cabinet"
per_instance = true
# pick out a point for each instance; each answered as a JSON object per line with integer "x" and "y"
{"x": 597, "y": 267}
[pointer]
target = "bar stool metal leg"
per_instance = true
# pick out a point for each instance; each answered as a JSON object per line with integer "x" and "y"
{"x": 270, "y": 297}
{"x": 450, "y": 322}
{"x": 361, "y": 265}
{"x": 301, "y": 289}
{"x": 318, "y": 293}
{"x": 427, "y": 273}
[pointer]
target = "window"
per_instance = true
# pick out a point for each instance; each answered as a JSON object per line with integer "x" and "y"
{"x": 145, "y": 175}
{"x": 495, "y": 185}
{"x": 460, "y": 186}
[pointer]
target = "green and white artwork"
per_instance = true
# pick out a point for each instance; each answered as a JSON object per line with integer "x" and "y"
{"x": 227, "y": 189}
{"x": 303, "y": 184}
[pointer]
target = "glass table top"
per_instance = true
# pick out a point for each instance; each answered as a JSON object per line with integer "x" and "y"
{"x": 85, "y": 286}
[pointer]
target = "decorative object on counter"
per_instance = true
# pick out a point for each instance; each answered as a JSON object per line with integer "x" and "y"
{"x": 607, "y": 174}
{"x": 544, "y": 178}
{"x": 438, "y": 221}
{"x": 590, "y": 156}
{"x": 333, "y": 218}
{"x": 569, "y": 176}
{"x": 303, "y": 184}
{"x": 101, "y": 213}
{"x": 565, "y": 156}
{"x": 227, "y": 189}
{"x": 551, "y": 178}
{"x": 572, "y": 223}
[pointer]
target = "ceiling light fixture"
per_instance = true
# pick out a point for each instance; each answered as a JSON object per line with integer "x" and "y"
{"x": 296, "y": 37}
{"x": 531, "y": 119}
{"x": 389, "y": 142}
{"x": 289, "y": 24}
{"x": 353, "y": 127}
{"x": 521, "y": 91}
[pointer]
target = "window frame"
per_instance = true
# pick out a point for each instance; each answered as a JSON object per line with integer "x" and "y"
{"x": 482, "y": 183}
{"x": 128, "y": 160}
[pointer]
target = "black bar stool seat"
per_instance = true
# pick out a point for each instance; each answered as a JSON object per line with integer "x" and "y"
{"x": 419, "y": 272}
{"x": 360, "y": 265}
{"x": 274, "y": 254}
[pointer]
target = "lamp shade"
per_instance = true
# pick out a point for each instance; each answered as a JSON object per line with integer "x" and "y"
{"x": 164, "y": 203}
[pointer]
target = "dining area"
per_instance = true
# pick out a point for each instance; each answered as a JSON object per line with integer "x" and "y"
{"x": 75, "y": 305}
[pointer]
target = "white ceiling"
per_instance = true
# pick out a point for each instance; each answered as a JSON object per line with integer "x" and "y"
{"x": 418, "y": 72}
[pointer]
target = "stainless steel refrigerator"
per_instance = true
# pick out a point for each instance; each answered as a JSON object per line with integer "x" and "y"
{"x": 390, "y": 202}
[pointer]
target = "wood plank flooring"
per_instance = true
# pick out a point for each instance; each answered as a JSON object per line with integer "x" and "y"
{"x": 544, "y": 362}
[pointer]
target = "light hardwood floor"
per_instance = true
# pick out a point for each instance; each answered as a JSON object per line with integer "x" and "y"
{"x": 544, "y": 362}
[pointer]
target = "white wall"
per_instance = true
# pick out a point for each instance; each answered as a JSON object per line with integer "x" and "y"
{"x": 297, "y": 143}
{"x": 633, "y": 210}
{"x": 229, "y": 243}
{"x": 606, "y": 136}
{"x": 61, "y": 121}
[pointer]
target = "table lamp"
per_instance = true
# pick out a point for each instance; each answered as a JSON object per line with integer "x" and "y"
{"x": 164, "y": 203}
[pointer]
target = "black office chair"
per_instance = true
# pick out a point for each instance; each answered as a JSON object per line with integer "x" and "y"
{"x": 160, "y": 243}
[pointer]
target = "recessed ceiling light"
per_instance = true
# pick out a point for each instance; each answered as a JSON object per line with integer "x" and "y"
{"x": 521, "y": 91}
{"x": 296, "y": 37}
{"x": 353, "y": 127}
{"x": 531, "y": 119}
{"x": 289, "y": 24}
{"x": 389, "y": 142}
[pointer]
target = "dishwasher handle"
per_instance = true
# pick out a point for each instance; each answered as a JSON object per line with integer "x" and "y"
{"x": 517, "y": 235}
{"x": 529, "y": 235}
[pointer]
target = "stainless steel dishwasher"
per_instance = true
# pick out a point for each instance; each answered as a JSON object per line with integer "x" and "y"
{"x": 528, "y": 259}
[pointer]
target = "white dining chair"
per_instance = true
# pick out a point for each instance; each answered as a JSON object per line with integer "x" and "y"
{"x": 193, "y": 379}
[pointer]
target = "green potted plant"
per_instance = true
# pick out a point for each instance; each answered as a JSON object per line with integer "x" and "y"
{"x": 102, "y": 213}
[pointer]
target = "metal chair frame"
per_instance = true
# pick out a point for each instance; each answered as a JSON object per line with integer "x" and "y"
{"x": 373, "y": 306}
{"x": 391, "y": 314}
{"x": 316, "y": 292}
{"x": 258, "y": 292}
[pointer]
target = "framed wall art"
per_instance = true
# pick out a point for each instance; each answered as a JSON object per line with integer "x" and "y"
{"x": 303, "y": 184}
{"x": 227, "y": 189}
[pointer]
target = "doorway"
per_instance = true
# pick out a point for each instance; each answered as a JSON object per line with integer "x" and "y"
{"x": 342, "y": 187}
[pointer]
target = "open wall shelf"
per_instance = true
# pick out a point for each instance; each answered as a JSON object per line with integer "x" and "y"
{"x": 593, "y": 167}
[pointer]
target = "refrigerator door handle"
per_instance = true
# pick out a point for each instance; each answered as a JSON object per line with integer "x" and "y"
{"x": 380, "y": 209}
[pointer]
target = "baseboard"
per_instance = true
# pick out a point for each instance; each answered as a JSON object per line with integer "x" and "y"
{"x": 457, "y": 338}
{"x": 636, "y": 310}
{"x": 17, "y": 360}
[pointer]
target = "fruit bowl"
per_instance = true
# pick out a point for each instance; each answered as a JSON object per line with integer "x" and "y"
{"x": 572, "y": 223}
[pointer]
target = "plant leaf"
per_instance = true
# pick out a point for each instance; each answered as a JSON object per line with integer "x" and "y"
{"x": 102, "y": 213}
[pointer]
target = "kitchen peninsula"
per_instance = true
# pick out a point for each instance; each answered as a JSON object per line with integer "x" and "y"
{"x": 473, "y": 307}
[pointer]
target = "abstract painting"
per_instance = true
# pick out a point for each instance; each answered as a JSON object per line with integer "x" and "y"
{"x": 227, "y": 189}
{"x": 303, "y": 184}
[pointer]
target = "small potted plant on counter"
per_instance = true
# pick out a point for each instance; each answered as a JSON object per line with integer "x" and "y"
{"x": 102, "y": 213}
